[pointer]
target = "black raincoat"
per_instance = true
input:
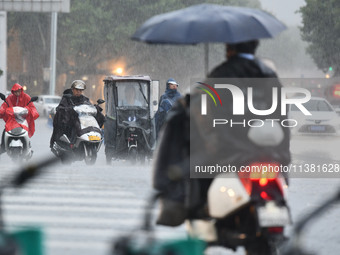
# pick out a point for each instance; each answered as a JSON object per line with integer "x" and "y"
{"x": 66, "y": 119}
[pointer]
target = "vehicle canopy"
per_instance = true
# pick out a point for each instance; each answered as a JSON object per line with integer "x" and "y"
{"x": 118, "y": 88}
{"x": 131, "y": 104}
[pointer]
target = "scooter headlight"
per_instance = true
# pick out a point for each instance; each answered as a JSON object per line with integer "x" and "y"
{"x": 17, "y": 131}
{"x": 132, "y": 118}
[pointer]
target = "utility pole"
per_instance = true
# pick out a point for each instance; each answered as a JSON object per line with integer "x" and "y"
{"x": 52, "y": 6}
{"x": 3, "y": 51}
{"x": 53, "y": 55}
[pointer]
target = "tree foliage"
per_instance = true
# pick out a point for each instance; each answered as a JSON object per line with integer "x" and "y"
{"x": 288, "y": 52}
{"x": 97, "y": 33}
{"x": 34, "y": 37}
{"x": 96, "y": 30}
{"x": 321, "y": 28}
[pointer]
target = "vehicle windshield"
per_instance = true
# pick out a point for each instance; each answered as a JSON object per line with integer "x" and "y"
{"x": 85, "y": 110}
{"x": 20, "y": 114}
{"x": 52, "y": 100}
{"x": 86, "y": 114}
{"x": 314, "y": 106}
{"x": 132, "y": 93}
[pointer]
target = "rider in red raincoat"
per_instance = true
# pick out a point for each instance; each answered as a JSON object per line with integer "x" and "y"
{"x": 18, "y": 98}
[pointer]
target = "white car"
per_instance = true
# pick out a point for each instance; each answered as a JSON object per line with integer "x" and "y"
{"x": 45, "y": 103}
{"x": 324, "y": 119}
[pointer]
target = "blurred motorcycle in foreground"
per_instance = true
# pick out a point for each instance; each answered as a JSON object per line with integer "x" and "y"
{"x": 245, "y": 209}
{"x": 248, "y": 207}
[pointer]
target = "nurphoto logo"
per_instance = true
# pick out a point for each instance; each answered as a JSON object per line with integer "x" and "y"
{"x": 238, "y": 99}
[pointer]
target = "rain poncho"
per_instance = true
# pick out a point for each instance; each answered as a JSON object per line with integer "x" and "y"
{"x": 166, "y": 102}
{"x": 66, "y": 119}
{"x": 6, "y": 111}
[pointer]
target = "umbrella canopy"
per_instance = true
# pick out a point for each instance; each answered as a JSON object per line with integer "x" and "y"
{"x": 205, "y": 23}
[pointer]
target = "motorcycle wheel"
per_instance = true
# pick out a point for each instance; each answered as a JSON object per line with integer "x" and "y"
{"x": 142, "y": 159}
{"x": 16, "y": 154}
{"x": 263, "y": 247}
{"x": 133, "y": 155}
{"x": 90, "y": 154}
{"x": 65, "y": 160}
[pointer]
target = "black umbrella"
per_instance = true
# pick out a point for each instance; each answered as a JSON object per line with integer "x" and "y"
{"x": 206, "y": 23}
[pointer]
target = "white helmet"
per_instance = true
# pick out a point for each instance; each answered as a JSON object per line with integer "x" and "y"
{"x": 78, "y": 84}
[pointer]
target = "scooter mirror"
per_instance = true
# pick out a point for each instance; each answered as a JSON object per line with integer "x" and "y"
{"x": 2, "y": 96}
{"x": 33, "y": 99}
{"x": 100, "y": 101}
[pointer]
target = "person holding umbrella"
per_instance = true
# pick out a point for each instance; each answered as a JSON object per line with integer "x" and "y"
{"x": 188, "y": 138}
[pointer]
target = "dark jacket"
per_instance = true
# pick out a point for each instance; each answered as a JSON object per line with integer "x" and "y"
{"x": 166, "y": 102}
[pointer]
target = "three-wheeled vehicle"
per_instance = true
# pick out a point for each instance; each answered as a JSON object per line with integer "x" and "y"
{"x": 131, "y": 104}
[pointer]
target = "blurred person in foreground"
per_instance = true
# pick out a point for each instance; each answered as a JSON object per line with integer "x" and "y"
{"x": 187, "y": 137}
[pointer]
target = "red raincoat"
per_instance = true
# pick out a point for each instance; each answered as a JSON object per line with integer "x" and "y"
{"x": 6, "y": 111}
